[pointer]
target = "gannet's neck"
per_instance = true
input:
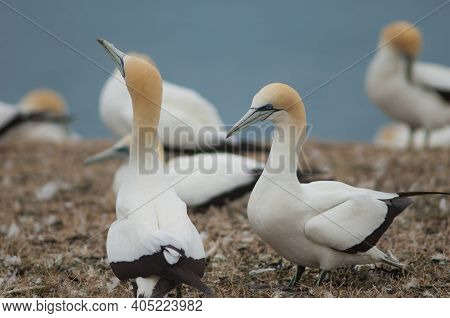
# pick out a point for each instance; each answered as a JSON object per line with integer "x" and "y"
{"x": 286, "y": 147}
{"x": 389, "y": 62}
{"x": 144, "y": 152}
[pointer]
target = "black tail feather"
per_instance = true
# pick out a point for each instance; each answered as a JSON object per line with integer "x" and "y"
{"x": 417, "y": 193}
{"x": 186, "y": 276}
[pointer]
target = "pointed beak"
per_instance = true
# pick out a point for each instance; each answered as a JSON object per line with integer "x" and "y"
{"x": 116, "y": 54}
{"x": 254, "y": 115}
{"x": 108, "y": 154}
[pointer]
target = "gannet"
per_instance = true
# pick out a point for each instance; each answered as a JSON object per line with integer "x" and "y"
{"x": 407, "y": 90}
{"x": 184, "y": 116}
{"x": 323, "y": 224}
{"x": 212, "y": 178}
{"x": 41, "y": 114}
{"x": 153, "y": 240}
{"x": 397, "y": 136}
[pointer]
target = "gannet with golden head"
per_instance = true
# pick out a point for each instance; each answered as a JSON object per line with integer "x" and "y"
{"x": 324, "y": 224}
{"x": 153, "y": 240}
{"x": 199, "y": 180}
{"x": 185, "y": 113}
{"x": 41, "y": 114}
{"x": 398, "y": 135}
{"x": 415, "y": 93}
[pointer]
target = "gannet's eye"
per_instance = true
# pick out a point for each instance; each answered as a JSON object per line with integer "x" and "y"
{"x": 266, "y": 107}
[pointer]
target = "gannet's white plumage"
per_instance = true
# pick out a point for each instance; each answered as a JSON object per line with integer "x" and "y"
{"x": 409, "y": 91}
{"x": 153, "y": 239}
{"x": 7, "y": 112}
{"x": 199, "y": 180}
{"x": 40, "y": 115}
{"x": 397, "y": 136}
{"x": 181, "y": 107}
{"x": 324, "y": 224}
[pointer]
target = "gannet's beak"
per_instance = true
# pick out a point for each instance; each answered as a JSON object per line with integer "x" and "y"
{"x": 116, "y": 54}
{"x": 254, "y": 115}
{"x": 108, "y": 154}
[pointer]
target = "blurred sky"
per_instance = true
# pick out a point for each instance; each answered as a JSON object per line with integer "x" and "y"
{"x": 226, "y": 50}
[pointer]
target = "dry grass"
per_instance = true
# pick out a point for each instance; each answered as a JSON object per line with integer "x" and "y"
{"x": 56, "y": 248}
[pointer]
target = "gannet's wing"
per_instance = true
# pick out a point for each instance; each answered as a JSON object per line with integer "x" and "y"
{"x": 356, "y": 224}
{"x": 179, "y": 98}
{"x": 212, "y": 179}
{"x": 434, "y": 77}
{"x": 134, "y": 252}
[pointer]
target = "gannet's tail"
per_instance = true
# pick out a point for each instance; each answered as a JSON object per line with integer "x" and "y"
{"x": 417, "y": 193}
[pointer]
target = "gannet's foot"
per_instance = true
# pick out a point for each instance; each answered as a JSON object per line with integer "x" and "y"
{"x": 298, "y": 274}
{"x": 322, "y": 275}
{"x": 135, "y": 288}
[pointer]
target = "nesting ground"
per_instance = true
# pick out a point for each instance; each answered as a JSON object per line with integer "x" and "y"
{"x": 55, "y": 213}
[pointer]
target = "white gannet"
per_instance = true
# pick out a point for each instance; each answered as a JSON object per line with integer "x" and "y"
{"x": 397, "y": 136}
{"x": 7, "y": 112}
{"x": 409, "y": 91}
{"x": 323, "y": 224}
{"x": 184, "y": 116}
{"x": 212, "y": 177}
{"x": 41, "y": 114}
{"x": 153, "y": 240}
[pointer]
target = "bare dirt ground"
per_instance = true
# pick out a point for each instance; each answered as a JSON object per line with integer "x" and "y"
{"x": 54, "y": 245}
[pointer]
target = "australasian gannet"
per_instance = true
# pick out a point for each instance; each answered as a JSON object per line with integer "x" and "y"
{"x": 153, "y": 240}
{"x": 407, "y": 90}
{"x": 324, "y": 224}
{"x": 397, "y": 136}
{"x": 199, "y": 180}
{"x": 41, "y": 114}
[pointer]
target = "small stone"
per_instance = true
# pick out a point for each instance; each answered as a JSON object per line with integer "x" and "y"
{"x": 261, "y": 270}
{"x": 13, "y": 231}
{"x": 112, "y": 284}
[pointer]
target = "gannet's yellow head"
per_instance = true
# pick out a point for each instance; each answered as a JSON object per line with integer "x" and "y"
{"x": 277, "y": 102}
{"x": 143, "y": 56}
{"x": 403, "y": 37}
{"x": 142, "y": 78}
{"x": 43, "y": 101}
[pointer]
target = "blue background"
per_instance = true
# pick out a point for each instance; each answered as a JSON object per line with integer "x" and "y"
{"x": 226, "y": 50}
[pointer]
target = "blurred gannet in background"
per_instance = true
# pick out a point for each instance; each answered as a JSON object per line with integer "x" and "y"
{"x": 153, "y": 240}
{"x": 409, "y": 91}
{"x": 42, "y": 114}
{"x": 181, "y": 107}
{"x": 397, "y": 136}
{"x": 324, "y": 224}
{"x": 199, "y": 180}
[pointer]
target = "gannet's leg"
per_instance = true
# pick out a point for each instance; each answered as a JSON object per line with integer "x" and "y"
{"x": 298, "y": 274}
{"x": 322, "y": 274}
{"x": 426, "y": 142}
{"x": 135, "y": 288}
{"x": 412, "y": 132}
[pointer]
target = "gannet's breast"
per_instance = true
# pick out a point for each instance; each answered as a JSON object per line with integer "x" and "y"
{"x": 422, "y": 102}
{"x": 7, "y": 112}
